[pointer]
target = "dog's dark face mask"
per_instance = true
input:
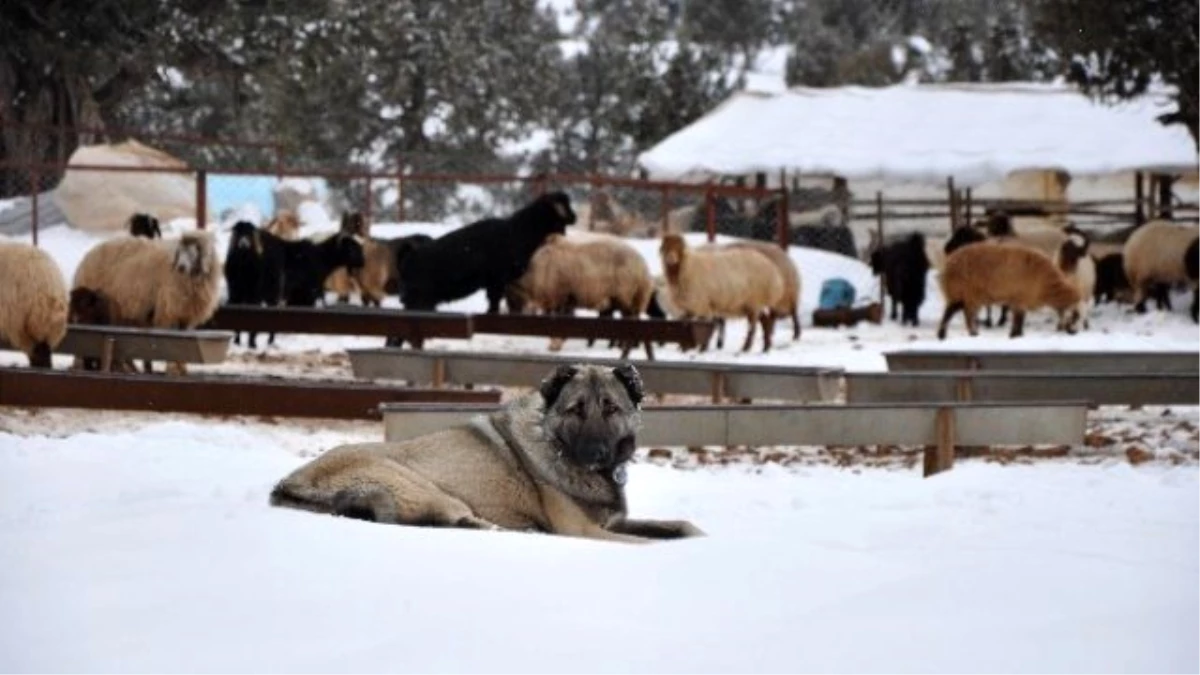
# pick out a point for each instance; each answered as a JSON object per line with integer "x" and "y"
{"x": 592, "y": 415}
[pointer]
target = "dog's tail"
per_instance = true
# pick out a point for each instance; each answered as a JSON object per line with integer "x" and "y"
{"x": 294, "y": 495}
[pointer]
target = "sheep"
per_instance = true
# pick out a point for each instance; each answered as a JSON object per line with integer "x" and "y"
{"x": 246, "y": 274}
{"x": 1073, "y": 260}
{"x": 789, "y": 302}
{"x": 603, "y": 213}
{"x": 903, "y": 266}
{"x": 285, "y": 225}
{"x": 144, "y": 225}
{"x": 1191, "y": 263}
{"x": 296, "y": 270}
{"x": 88, "y": 307}
{"x": 1039, "y": 234}
{"x": 1111, "y": 282}
{"x": 489, "y": 254}
{"x": 1152, "y": 256}
{"x": 1013, "y": 275}
{"x": 160, "y": 283}
{"x": 600, "y": 273}
{"x": 373, "y": 276}
{"x": 721, "y": 282}
{"x": 821, "y": 229}
{"x": 33, "y": 301}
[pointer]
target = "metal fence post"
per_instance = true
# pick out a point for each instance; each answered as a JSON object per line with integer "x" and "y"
{"x": 35, "y": 181}
{"x": 201, "y": 199}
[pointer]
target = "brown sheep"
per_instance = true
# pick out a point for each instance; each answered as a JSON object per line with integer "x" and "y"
{"x": 600, "y": 273}
{"x": 1012, "y": 275}
{"x": 789, "y": 302}
{"x": 722, "y": 282}
{"x": 371, "y": 280}
{"x": 33, "y": 301}
{"x": 1158, "y": 253}
{"x": 285, "y": 225}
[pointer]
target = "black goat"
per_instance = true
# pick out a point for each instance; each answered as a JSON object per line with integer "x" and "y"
{"x": 488, "y": 254}
{"x": 903, "y": 266}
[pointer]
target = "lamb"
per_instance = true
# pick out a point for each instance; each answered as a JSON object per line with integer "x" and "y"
{"x": 285, "y": 225}
{"x": 87, "y": 307}
{"x": 159, "y": 283}
{"x": 722, "y": 282}
{"x": 144, "y": 225}
{"x": 1073, "y": 260}
{"x": 380, "y": 274}
{"x": 903, "y": 266}
{"x": 1008, "y": 274}
{"x": 33, "y": 301}
{"x": 1152, "y": 256}
{"x": 489, "y": 254}
{"x": 789, "y": 302}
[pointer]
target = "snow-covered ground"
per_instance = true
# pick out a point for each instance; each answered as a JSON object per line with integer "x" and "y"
{"x": 143, "y": 542}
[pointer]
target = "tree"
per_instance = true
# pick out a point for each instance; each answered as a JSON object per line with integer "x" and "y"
{"x": 1120, "y": 48}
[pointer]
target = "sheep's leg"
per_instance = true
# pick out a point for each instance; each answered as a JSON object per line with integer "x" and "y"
{"x": 1003, "y": 315}
{"x": 768, "y": 326}
{"x": 39, "y": 355}
{"x": 494, "y": 295}
{"x": 720, "y": 321}
{"x": 987, "y": 319}
{"x": 951, "y": 309}
{"x": 1018, "y": 324}
{"x": 796, "y": 321}
{"x": 752, "y": 321}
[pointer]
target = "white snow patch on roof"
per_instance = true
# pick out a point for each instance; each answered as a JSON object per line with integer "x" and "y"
{"x": 924, "y": 133}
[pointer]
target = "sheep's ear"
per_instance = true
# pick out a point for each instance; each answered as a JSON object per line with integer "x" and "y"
{"x": 553, "y": 385}
{"x": 628, "y": 376}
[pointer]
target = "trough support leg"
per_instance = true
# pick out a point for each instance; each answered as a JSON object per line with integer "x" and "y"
{"x": 649, "y": 350}
{"x": 718, "y": 387}
{"x": 964, "y": 389}
{"x": 106, "y": 354}
{"x": 940, "y": 457}
{"x": 439, "y": 373}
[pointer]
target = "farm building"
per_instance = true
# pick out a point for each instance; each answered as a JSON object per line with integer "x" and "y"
{"x": 1043, "y": 142}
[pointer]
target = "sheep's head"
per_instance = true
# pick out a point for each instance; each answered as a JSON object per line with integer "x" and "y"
{"x": 558, "y": 206}
{"x": 89, "y": 307}
{"x": 194, "y": 255}
{"x": 968, "y": 234}
{"x": 1072, "y": 250}
{"x": 999, "y": 224}
{"x": 355, "y": 224}
{"x": 672, "y": 250}
{"x": 245, "y": 238}
{"x": 285, "y": 224}
{"x": 144, "y": 225}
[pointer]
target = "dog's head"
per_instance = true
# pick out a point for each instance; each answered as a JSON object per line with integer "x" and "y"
{"x": 592, "y": 414}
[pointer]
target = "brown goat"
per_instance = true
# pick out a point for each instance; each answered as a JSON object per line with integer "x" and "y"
{"x": 1008, "y": 274}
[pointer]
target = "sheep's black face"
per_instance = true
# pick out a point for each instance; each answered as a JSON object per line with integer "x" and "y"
{"x": 243, "y": 237}
{"x": 144, "y": 225}
{"x": 560, "y": 204}
{"x": 350, "y": 252}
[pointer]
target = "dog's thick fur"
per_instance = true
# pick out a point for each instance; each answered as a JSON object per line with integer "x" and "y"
{"x": 550, "y": 461}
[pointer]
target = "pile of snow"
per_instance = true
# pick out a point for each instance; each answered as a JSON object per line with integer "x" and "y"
{"x": 154, "y": 549}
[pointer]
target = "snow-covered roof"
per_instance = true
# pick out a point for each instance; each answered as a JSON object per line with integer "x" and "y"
{"x": 977, "y": 133}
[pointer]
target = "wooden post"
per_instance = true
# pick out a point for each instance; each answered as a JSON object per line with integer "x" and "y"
{"x": 969, "y": 217}
{"x": 879, "y": 237}
{"x": 201, "y": 199}
{"x": 367, "y": 209}
{"x": 106, "y": 354}
{"x": 781, "y": 223}
{"x": 400, "y": 193}
{"x": 710, "y": 224}
{"x": 35, "y": 181}
{"x": 439, "y": 372}
{"x": 940, "y": 457}
{"x": 1164, "y": 196}
{"x": 1139, "y": 196}
{"x": 953, "y": 203}
{"x": 666, "y": 209}
{"x": 841, "y": 194}
{"x": 718, "y": 386}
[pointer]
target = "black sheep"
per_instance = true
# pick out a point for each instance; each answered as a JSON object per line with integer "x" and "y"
{"x": 1111, "y": 281}
{"x": 144, "y": 225}
{"x": 263, "y": 269}
{"x": 903, "y": 266}
{"x": 400, "y": 248}
{"x": 488, "y": 254}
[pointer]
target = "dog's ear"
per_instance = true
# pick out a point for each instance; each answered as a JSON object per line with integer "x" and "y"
{"x": 627, "y": 375}
{"x": 553, "y": 385}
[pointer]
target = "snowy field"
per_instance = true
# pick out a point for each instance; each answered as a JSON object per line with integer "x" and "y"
{"x": 143, "y": 542}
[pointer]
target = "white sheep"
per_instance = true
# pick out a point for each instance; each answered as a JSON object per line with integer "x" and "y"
{"x": 1158, "y": 252}
{"x": 163, "y": 283}
{"x": 33, "y": 301}
{"x": 1073, "y": 259}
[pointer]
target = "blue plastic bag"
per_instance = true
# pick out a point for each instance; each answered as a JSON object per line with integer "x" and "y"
{"x": 836, "y": 293}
